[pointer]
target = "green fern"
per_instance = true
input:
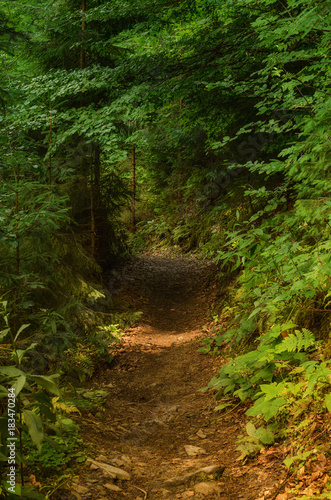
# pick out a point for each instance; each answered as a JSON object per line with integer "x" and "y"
{"x": 82, "y": 364}
{"x": 296, "y": 342}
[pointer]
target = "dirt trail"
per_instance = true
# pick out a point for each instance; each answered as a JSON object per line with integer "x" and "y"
{"x": 154, "y": 408}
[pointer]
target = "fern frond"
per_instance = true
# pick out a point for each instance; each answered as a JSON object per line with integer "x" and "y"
{"x": 296, "y": 342}
{"x": 63, "y": 407}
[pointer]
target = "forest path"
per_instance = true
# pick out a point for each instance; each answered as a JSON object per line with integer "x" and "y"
{"x": 154, "y": 408}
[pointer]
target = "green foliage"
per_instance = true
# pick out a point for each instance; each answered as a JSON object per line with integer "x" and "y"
{"x": 276, "y": 376}
{"x": 298, "y": 459}
{"x": 228, "y": 107}
{"x": 90, "y": 399}
{"x": 56, "y": 455}
{"x": 98, "y": 346}
{"x": 256, "y": 440}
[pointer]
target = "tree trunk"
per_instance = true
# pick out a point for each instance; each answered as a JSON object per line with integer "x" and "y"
{"x": 16, "y": 224}
{"x": 18, "y": 256}
{"x": 49, "y": 147}
{"x": 179, "y": 193}
{"x": 92, "y": 206}
{"x": 97, "y": 177}
{"x": 133, "y": 189}
{"x": 82, "y": 50}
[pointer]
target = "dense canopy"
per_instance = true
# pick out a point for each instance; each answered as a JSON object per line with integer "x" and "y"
{"x": 204, "y": 124}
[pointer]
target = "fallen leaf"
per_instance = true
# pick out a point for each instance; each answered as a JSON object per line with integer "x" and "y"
{"x": 301, "y": 471}
{"x": 309, "y": 491}
{"x": 315, "y": 475}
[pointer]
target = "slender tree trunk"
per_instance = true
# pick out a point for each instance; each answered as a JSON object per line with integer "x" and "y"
{"x": 180, "y": 127}
{"x": 97, "y": 177}
{"x": 92, "y": 206}
{"x": 18, "y": 256}
{"x": 82, "y": 50}
{"x": 49, "y": 147}
{"x": 16, "y": 223}
{"x": 133, "y": 189}
{"x": 179, "y": 193}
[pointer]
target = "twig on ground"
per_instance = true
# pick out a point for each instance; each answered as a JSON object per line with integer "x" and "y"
{"x": 142, "y": 491}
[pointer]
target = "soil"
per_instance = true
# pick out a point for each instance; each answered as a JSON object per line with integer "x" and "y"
{"x": 155, "y": 408}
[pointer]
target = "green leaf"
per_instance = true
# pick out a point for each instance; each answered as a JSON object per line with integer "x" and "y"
{"x": 220, "y": 407}
{"x": 4, "y": 333}
{"x": 250, "y": 429}
{"x": 268, "y": 409}
{"x": 46, "y": 382}
{"x": 18, "y": 489}
{"x": 328, "y": 401}
{"x": 266, "y": 436}
{"x": 19, "y": 384}
{"x": 35, "y": 427}
{"x": 20, "y": 330}
{"x": 11, "y": 371}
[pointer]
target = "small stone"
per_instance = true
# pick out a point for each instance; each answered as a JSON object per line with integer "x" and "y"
{"x": 112, "y": 487}
{"x": 79, "y": 488}
{"x": 102, "y": 458}
{"x": 201, "y": 434}
{"x": 178, "y": 480}
{"x": 165, "y": 492}
{"x": 109, "y": 470}
{"x": 206, "y": 489}
{"x": 194, "y": 450}
{"x": 188, "y": 494}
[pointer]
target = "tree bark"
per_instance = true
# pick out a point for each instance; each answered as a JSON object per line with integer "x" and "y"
{"x": 133, "y": 189}
{"x": 18, "y": 256}
{"x": 82, "y": 50}
{"x": 49, "y": 147}
{"x": 97, "y": 177}
{"x": 92, "y": 206}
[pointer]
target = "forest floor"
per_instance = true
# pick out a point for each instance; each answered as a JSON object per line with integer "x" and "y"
{"x": 157, "y": 426}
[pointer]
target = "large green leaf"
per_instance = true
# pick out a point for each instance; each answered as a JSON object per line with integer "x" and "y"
{"x": 19, "y": 384}
{"x": 17, "y": 487}
{"x": 4, "y": 333}
{"x": 266, "y": 408}
{"x": 47, "y": 382}
{"x": 35, "y": 427}
{"x": 20, "y": 330}
{"x": 11, "y": 371}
